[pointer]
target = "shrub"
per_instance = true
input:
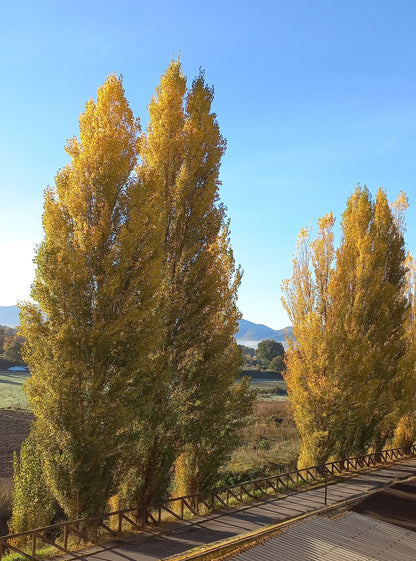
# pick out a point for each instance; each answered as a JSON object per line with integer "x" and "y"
{"x": 33, "y": 505}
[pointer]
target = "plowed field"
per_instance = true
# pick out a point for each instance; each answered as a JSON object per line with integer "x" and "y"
{"x": 14, "y": 428}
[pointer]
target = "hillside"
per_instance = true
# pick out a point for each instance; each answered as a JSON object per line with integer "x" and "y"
{"x": 251, "y": 333}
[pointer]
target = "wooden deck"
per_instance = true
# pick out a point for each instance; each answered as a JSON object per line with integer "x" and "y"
{"x": 181, "y": 537}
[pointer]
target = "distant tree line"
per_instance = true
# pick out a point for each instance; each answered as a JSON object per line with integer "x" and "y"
{"x": 11, "y": 344}
{"x": 269, "y": 355}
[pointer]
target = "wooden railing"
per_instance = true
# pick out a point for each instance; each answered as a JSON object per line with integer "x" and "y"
{"x": 91, "y": 530}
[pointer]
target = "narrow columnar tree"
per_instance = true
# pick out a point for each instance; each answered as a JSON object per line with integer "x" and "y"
{"x": 309, "y": 377}
{"x": 346, "y": 370}
{"x": 92, "y": 326}
{"x": 181, "y": 157}
{"x": 154, "y": 444}
{"x": 369, "y": 309}
{"x": 405, "y": 433}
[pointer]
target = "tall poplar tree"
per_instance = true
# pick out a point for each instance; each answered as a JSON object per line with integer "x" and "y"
{"x": 405, "y": 433}
{"x": 92, "y": 326}
{"x": 353, "y": 312}
{"x": 181, "y": 156}
{"x": 309, "y": 377}
{"x": 370, "y": 310}
{"x": 154, "y": 445}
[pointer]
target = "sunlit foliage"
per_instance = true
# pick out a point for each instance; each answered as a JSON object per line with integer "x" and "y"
{"x": 92, "y": 326}
{"x": 181, "y": 156}
{"x": 130, "y": 336}
{"x": 345, "y": 372}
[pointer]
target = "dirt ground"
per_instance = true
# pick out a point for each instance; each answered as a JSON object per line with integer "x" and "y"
{"x": 14, "y": 428}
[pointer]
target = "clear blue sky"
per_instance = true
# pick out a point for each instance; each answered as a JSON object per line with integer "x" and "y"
{"x": 312, "y": 96}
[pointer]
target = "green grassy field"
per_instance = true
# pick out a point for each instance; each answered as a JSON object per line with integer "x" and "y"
{"x": 12, "y": 394}
{"x": 269, "y": 390}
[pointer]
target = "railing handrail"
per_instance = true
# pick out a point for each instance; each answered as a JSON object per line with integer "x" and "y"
{"x": 201, "y": 498}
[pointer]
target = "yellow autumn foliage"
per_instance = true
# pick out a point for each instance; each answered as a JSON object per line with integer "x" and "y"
{"x": 347, "y": 371}
{"x": 92, "y": 327}
{"x": 181, "y": 155}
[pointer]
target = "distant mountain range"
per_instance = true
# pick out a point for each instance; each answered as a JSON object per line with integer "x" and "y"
{"x": 249, "y": 333}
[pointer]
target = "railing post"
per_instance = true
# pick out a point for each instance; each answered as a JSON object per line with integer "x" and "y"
{"x": 182, "y": 508}
{"x": 66, "y": 536}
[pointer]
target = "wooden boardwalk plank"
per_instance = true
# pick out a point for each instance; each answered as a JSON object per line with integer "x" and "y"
{"x": 239, "y": 521}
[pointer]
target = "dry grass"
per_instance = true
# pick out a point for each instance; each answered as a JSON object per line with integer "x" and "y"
{"x": 268, "y": 444}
